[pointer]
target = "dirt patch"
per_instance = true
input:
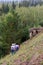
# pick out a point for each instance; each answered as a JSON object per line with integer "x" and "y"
{"x": 36, "y": 59}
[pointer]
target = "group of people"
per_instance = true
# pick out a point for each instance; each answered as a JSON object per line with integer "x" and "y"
{"x": 14, "y": 48}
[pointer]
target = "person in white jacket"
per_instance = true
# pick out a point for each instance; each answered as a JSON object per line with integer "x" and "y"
{"x": 13, "y": 48}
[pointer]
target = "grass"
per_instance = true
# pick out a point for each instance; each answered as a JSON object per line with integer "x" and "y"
{"x": 26, "y": 51}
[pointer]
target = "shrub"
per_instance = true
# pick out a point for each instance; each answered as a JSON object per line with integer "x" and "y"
{"x": 41, "y": 23}
{"x": 4, "y": 49}
{"x": 5, "y": 8}
{"x": 25, "y": 35}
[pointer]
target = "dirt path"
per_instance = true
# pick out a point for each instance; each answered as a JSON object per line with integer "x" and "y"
{"x": 36, "y": 59}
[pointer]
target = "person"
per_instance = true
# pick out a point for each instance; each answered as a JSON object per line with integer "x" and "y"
{"x": 31, "y": 33}
{"x": 17, "y": 47}
{"x": 13, "y": 48}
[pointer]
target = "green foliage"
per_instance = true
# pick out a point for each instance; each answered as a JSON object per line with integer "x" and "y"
{"x": 5, "y": 8}
{"x": 41, "y": 23}
{"x": 31, "y": 16}
{"x": 13, "y": 5}
{"x": 4, "y": 47}
{"x": 24, "y": 3}
{"x": 14, "y": 26}
{"x": 12, "y": 21}
{"x": 25, "y": 35}
{"x": 22, "y": 35}
{"x": 12, "y": 30}
{"x": 0, "y": 11}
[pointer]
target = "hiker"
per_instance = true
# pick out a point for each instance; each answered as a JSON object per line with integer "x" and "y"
{"x": 13, "y": 48}
{"x": 17, "y": 47}
{"x": 30, "y": 35}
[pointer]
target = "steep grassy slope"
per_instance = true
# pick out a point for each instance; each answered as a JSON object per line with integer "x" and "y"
{"x": 30, "y": 53}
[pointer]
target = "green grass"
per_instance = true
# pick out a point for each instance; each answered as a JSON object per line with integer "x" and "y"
{"x": 26, "y": 51}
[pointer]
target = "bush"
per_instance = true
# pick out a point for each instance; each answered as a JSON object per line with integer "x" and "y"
{"x": 41, "y": 23}
{"x": 22, "y": 35}
{"x": 25, "y": 35}
{"x": 8, "y": 31}
{"x": 16, "y": 32}
{"x": 4, "y": 49}
{"x": 5, "y": 8}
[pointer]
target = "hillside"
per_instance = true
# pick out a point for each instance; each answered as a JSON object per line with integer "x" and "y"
{"x": 30, "y": 53}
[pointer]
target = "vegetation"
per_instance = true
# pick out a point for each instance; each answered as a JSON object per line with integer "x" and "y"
{"x": 27, "y": 3}
{"x": 33, "y": 49}
{"x": 31, "y": 16}
{"x": 11, "y": 30}
{"x": 5, "y": 8}
{"x": 15, "y": 23}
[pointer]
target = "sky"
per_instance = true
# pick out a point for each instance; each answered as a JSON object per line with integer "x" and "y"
{"x": 9, "y": 0}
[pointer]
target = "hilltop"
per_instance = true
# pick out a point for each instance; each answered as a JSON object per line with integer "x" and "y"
{"x": 30, "y": 53}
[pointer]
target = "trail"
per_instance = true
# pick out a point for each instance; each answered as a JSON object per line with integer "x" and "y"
{"x": 36, "y": 59}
